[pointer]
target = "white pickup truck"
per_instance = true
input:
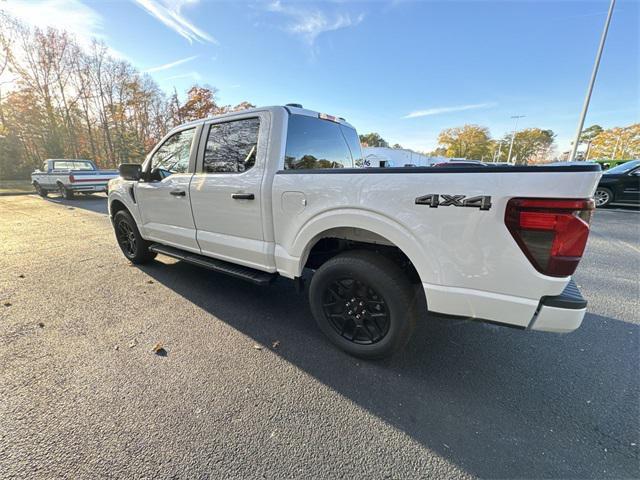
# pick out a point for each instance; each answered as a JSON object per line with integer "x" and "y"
{"x": 68, "y": 176}
{"x": 277, "y": 191}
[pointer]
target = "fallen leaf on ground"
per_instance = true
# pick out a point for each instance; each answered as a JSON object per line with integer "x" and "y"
{"x": 21, "y": 275}
{"x": 159, "y": 349}
{"x": 276, "y": 344}
{"x": 7, "y": 304}
{"x": 117, "y": 347}
{"x": 41, "y": 324}
{"x": 149, "y": 281}
{"x": 257, "y": 347}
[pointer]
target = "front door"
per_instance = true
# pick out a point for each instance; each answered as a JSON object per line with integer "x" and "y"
{"x": 226, "y": 191}
{"x": 630, "y": 187}
{"x": 163, "y": 196}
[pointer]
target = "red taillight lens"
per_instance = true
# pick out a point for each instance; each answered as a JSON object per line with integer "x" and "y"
{"x": 552, "y": 233}
{"x": 71, "y": 178}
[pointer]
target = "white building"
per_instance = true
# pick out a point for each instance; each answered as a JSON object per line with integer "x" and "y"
{"x": 397, "y": 157}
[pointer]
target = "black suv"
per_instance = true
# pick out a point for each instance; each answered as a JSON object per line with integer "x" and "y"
{"x": 620, "y": 184}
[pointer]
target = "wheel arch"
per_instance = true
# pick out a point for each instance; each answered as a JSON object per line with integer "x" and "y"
{"x": 361, "y": 227}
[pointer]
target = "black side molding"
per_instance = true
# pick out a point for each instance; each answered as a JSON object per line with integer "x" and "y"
{"x": 570, "y": 298}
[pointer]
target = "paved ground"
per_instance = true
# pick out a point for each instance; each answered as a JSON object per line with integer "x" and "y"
{"x": 82, "y": 396}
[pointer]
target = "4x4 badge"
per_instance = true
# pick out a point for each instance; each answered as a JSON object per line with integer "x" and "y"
{"x": 435, "y": 200}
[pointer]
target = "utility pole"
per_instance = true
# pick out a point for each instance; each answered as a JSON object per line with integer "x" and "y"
{"x": 615, "y": 149}
{"x": 587, "y": 98}
{"x": 513, "y": 137}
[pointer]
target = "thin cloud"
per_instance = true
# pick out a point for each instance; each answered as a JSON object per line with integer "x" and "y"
{"x": 170, "y": 13}
{"x": 195, "y": 76}
{"x": 167, "y": 66}
{"x": 309, "y": 23}
{"x": 71, "y": 15}
{"x": 440, "y": 110}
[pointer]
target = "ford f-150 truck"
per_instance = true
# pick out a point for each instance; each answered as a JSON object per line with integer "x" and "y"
{"x": 68, "y": 176}
{"x": 278, "y": 191}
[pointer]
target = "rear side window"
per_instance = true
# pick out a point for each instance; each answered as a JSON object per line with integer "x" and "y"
{"x": 71, "y": 165}
{"x": 313, "y": 143}
{"x": 231, "y": 146}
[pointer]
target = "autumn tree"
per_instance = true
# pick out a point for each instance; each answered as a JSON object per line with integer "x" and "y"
{"x": 373, "y": 140}
{"x": 468, "y": 141}
{"x": 618, "y": 143}
{"x": 530, "y": 145}
{"x": 58, "y": 99}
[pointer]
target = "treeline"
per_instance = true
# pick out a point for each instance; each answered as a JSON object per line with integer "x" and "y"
{"x": 530, "y": 145}
{"x": 61, "y": 100}
{"x": 474, "y": 142}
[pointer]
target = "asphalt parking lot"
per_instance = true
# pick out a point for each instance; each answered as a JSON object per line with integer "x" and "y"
{"x": 249, "y": 388}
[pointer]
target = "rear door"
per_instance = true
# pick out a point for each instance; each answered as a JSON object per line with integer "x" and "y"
{"x": 163, "y": 196}
{"x": 227, "y": 190}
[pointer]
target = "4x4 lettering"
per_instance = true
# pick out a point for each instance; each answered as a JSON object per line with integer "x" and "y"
{"x": 434, "y": 200}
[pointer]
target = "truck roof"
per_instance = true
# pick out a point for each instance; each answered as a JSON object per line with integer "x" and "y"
{"x": 289, "y": 107}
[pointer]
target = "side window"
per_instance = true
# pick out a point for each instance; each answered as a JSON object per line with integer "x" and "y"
{"x": 316, "y": 143}
{"x": 173, "y": 156}
{"x": 231, "y": 146}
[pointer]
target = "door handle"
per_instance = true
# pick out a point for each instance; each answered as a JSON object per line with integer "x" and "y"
{"x": 178, "y": 193}
{"x": 243, "y": 196}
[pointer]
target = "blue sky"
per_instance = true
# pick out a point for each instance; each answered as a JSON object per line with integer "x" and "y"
{"x": 406, "y": 69}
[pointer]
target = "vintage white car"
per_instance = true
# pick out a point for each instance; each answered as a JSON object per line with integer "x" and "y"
{"x": 69, "y": 176}
{"x": 276, "y": 191}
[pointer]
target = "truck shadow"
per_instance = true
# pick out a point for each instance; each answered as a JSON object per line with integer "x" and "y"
{"x": 497, "y": 402}
{"x": 96, "y": 202}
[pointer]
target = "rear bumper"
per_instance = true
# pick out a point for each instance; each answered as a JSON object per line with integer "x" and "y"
{"x": 89, "y": 188}
{"x": 561, "y": 313}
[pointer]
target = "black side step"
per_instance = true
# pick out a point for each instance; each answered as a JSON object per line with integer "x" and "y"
{"x": 245, "y": 273}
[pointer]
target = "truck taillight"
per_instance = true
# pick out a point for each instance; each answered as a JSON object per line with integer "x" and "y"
{"x": 552, "y": 233}
{"x": 71, "y": 178}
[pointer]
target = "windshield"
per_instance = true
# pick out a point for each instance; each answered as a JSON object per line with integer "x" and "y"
{"x": 624, "y": 168}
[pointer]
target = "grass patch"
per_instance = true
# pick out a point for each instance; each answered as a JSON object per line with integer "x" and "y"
{"x": 8, "y": 187}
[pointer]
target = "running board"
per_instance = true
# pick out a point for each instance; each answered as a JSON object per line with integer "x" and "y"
{"x": 245, "y": 273}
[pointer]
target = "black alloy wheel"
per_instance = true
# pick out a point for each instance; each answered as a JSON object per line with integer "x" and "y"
{"x": 356, "y": 311}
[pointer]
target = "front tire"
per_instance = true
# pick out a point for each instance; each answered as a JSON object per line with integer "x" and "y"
{"x": 134, "y": 247}
{"x": 603, "y": 196}
{"x": 364, "y": 303}
{"x": 39, "y": 190}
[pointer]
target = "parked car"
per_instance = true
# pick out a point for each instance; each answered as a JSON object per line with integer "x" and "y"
{"x": 69, "y": 176}
{"x": 272, "y": 192}
{"x": 619, "y": 184}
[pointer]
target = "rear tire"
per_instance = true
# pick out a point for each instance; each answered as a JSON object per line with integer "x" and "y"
{"x": 65, "y": 193}
{"x": 364, "y": 303}
{"x": 134, "y": 247}
{"x": 39, "y": 190}
{"x": 603, "y": 196}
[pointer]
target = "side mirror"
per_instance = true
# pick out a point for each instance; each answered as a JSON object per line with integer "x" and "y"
{"x": 130, "y": 171}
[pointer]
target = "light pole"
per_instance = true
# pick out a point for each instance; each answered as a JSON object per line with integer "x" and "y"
{"x": 513, "y": 137}
{"x": 587, "y": 98}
